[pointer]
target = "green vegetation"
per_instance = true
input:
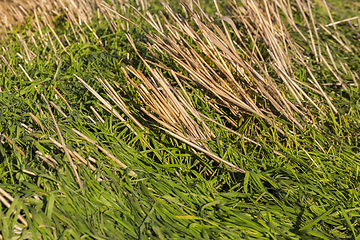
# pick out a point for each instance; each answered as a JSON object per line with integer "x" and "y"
{"x": 213, "y": 120}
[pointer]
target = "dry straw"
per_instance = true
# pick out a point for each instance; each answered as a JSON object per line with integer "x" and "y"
{"x": 215, "y": 57}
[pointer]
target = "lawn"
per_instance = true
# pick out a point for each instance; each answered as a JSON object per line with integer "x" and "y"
{"x": 180, "y": 120}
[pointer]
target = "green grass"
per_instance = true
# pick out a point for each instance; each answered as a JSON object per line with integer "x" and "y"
{"x": 303, "y": 185}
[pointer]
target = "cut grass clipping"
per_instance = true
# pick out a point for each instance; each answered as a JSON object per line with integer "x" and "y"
{"x": 180, "y": 120}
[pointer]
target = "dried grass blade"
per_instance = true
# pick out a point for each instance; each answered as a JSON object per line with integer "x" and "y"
{"x": 63, "y": 143}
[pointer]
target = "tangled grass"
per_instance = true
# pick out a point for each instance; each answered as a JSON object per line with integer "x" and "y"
{"x": 198, "y": 120}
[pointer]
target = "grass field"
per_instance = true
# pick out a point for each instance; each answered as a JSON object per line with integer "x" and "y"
{"x": 196, "y": 120}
